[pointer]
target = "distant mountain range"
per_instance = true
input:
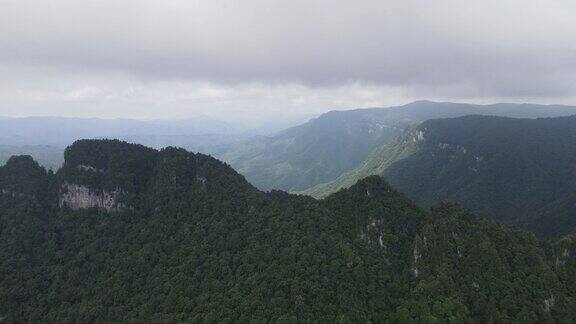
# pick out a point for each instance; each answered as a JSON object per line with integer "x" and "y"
{"x": 295, "y": 159}
{"x": 338, "y": 141}
{"x": 59, "y": 131}
{"x": 126, "y": 233}
{"x": 522, "y": 173}
{"x": 45, "y": 138}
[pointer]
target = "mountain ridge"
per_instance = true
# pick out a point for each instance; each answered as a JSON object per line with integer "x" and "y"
{"x": 295, "y": 159}
{"x": 322, "y": 149}
{"x": 199, "y": 243}
{"x": 499, "y": 167}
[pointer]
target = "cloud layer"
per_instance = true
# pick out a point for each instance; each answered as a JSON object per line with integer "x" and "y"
{"x": 110, "y": 53}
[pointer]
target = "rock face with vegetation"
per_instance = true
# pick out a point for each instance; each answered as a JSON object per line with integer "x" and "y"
{"x": 511, "y": 170}
{"x": 80, "y": 197}
{"x": 199, "y": 243}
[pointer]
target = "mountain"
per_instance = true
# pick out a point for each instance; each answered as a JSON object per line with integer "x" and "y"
{"x": 126, "y": 233}
{"x": 311, "y": 153}
{"x": 293, "y": 160}
{"x": 45, "y": 138}
{"x": 513, "y": 170}
{"x": 338, "y": 141}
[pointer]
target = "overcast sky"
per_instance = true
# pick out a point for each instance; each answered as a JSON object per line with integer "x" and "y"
{"x": 253, "y": 60}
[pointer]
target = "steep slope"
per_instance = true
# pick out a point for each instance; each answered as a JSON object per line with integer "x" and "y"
{"x": 322, "y": 149}
{"x": 465, "y": 259}
{"x": 513, "y": 170}
{"x": 196, "y": 242}
{"x": 311, "y": 153}
{"x": 187, "y": 239}
{"x": 376, "y": 163}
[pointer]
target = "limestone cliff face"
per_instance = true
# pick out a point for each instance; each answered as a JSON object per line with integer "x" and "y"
{"x": 565, "y": 251}
{"x": 115, "y": 176}
{"x": 77, "y": 197}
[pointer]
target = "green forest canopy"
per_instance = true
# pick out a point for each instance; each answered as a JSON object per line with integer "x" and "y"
{"x": 197, "y": 242}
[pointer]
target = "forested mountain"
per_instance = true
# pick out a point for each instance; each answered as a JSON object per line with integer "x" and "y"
{"x": 295, "y": 159}
{"x": 324, "y": 148}
{"x": 127, "y": 233}
{"x": 512, "y": 170}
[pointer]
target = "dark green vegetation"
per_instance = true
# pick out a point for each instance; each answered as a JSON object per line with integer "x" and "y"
{"x": 338, "y": 141}
{"x": 511, "y": 170}
{"x": 196, "y": 242}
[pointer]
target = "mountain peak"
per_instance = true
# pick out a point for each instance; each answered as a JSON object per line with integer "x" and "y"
{"x": 21, "y": 161}
{"x": 114, "y": 175}
{"x": 356, "y": 256}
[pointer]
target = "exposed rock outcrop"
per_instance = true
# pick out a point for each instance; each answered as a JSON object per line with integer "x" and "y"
{"x": 374, "y": 231}
{"x": 549, "y": 303}
{"x": 77, "y": 197}
{"x": 85, "y": 167}
{"x": 417, "y": 256}
{"x": 418, "y": 137}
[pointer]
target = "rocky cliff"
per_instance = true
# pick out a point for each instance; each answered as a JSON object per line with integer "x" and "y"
{"x": 76, "y": 197}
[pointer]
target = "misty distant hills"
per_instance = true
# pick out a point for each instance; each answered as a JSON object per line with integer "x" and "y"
{"x": 295, "y": 159}
{"x": 45, "y": 138}
{"x": 59, "y": 131}
{"x": 512, "y": 170}
{"x": 325, "y": 147}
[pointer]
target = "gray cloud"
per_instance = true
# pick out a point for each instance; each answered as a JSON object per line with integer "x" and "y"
{"x": 477, "y": 50}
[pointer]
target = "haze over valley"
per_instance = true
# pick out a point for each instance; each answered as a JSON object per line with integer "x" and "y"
{"x": 304, "y": 161}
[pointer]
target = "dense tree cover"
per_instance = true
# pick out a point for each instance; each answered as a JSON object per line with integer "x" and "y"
{"x": 199, "y": 243}
{"x": 338, "y": 141}
{"x": 505, "y": 169}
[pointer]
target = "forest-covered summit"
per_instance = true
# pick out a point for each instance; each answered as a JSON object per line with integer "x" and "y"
{"x": 189, "y": 239}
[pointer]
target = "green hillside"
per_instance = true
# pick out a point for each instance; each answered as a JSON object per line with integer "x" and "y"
{"x": 322, "y": 149}
{"x": 376, "y": 163}
{"x": 512, "y": 170}
{"x": 124, "y": 233}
